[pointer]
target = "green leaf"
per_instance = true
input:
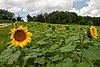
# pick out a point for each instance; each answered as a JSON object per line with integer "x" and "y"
{"x": 31, "y": 66}
{"x": 33, "y": 53}
{"x": 92, "y": 53}
{"x": 14, "y": 57}
{"x": 48, "y": 35}
{"x": 58, "y": 65}
{"x": 83, "y": 64}
{"x": 33, "y": 50}
{"x": 4, "y": 56}
{"x": 53, "y": 48}
{"x": 5, "y": 53}
{"x": 40, "y": 60}
{"x": 41, "y": 42}
{"x": 49, "y": 64}
{"x": 67, "y": 48}
{"x": 25, "y": 59}
{"x": 66, "y": 63}
{"x": 73, "y": 38}
{"x": 87, "y": 41}
{"x": 56, "y": 57}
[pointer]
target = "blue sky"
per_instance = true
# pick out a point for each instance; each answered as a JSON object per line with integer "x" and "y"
{"x": 80, "y": 4}
{"x": 34, "y": 7}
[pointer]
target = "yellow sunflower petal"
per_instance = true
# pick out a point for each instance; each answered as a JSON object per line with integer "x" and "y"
{"x": 29, "y": 34}
{"x": 93, "y": 32}
{"x": 20, "y": 36}
{"x": 13, "y": 30}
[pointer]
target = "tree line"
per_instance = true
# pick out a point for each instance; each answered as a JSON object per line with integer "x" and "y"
{"x": 6, "y": 15}
{"x": 58, "y": 17}
{"x": 64, "y": 17}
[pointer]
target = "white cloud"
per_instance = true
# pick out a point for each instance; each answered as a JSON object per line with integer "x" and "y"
{"x": 50, "y": 5}
{"x": 36, "y": 5}
{"x": 93, "y": 9}
{"x": 33, "y": 7}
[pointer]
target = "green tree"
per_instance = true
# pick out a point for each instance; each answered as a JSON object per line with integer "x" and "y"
{"x": 6, "y": 14}
{"x": 40, "y": 18}
{"x": 29, "y": 18}
{"x": 1, "y": 17}
{"x": 19, "y": 18}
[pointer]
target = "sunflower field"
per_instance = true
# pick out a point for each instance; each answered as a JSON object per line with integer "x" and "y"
{"x": 35, "y": 44}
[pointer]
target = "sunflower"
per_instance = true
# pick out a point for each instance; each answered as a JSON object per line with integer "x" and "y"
{"x": 93, "y": 32}
{"x": 20, "y": 36}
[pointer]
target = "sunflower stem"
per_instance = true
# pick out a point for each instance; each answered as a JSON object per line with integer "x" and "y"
{"x": 20, "y": 61}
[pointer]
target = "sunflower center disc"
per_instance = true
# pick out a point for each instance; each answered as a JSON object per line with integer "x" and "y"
{"x": 20, "y": 35}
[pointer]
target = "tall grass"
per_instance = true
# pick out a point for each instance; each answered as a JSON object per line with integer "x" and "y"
{"x": 4, "y": 37}
{"x": 6, "y": 21}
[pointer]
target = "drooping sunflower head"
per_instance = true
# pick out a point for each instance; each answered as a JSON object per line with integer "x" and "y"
{"x": 15, "y": 24}
{"x": 93, "y": 32}
{"x": 20, "y": 36}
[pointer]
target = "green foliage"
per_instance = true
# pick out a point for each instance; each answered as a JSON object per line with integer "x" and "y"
{"x": 83, "y": 64}
{"x": 19, "y": 18}
{"x": 29, "y": 18}
{"x": 66, "y": 63}
{"x": 65, "y": 17}
{"x": 92, "y": 53}
{"x": 4, "y": 37}
{"x": 6, "y": 15}
{"x": 9, "y": 55}
{"x": 6, "y": 21}
{"x": 1, "y": 17}
{"x": 40, "y": 18}
{"x": 59, "y": 48}
{"x": 67, "y": 48}
{"x": 64, "y": 21}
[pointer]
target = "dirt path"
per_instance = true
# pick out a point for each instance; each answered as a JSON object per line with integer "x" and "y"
{"x": 4, "y": 24}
